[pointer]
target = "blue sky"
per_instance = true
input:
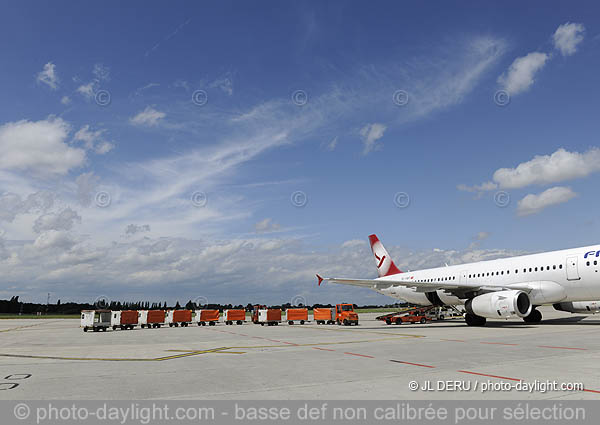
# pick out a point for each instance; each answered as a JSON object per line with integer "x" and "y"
{"x": 222, "y": 117}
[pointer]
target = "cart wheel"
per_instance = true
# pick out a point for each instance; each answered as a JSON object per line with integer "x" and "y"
{"x": 345, "y": 322}
{"x": 301, "y": 322}
{"x": 423, "y": 320}
{"x": 85, "y": 329}
{"x": 211, "y": 323}
{"x": 290, "y": 322}
{"x": 239, "y": 322}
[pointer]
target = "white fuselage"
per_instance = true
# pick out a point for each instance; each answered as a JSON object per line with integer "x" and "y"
{"x": 552, "y": 277}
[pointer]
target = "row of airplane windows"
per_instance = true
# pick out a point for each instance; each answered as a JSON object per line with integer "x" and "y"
{"x": 472, "y": 276}
{"x": 589, "y": 264}
{"x": 531, "y": 269}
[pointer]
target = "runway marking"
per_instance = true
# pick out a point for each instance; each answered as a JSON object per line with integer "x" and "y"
{"x": 25, "y": 326}
{"x": 562, "y": 348}
{"x": 360, "y": 355}
{"x": 453, "y": 340}
{"x": 322, "y": 349}
{"x": 356, "y": 331}
{"x": 413, "y": 364}
{"x": 489, "y": 376}
{"x": 497, "y": 343}
{"x": 113, "y": 359}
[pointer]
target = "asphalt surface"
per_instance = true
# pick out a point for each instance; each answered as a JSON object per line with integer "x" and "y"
{"x": 55, "y": 359}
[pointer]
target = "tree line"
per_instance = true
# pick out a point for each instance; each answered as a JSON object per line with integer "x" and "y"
{"x": 15, "y": 306}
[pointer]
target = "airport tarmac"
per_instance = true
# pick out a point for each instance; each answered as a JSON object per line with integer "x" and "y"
{"x": 54, "y": 359}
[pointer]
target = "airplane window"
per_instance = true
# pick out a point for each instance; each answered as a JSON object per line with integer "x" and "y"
{"x": 587, "y": 264}
{"x": 560, "y": 266}
{"x": 516, "y": 271}
{"x": 524, "y": 270}
{"x": 595, "y": 263}
{"x": 502, "y": 273}
{"x": 547, "y": 267}
{"x": 508, "y": 272}
{"x": 530, "y": 269}
{"x": 554, "y": 267}
{"x": 536, "y": 269}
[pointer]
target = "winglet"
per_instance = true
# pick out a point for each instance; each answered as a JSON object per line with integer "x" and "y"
{"x": 320, "y": 279}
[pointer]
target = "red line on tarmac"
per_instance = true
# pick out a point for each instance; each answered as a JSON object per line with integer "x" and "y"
{"x": 490, "y": 376}
{"x": 497, "y": 343}
{"x": 289, "y": 343}
{"x": 413, "y": 364}
{"x": 272, "y": 340}
{"x": 562, "y": 348}
{"x": 360, "y": 355}
{"x": 323, "y": 349}
{"x": 453, "y": 340}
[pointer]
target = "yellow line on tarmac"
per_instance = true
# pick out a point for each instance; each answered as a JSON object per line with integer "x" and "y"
{"x": 25, "y": 326}
{"x": 109, "y": 359}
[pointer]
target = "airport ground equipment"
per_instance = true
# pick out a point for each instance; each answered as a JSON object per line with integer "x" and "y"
{"x": 266, "y": 316}
{"x": 345, "y": 314}
{"x": 237, "y": 316}
{"x": 203, "y": 317}
{"x": 296, "y": 315}
{"x": 324, "y": 316}
{"x": 409, "y": 315}
{"x": 151, "y": 318}
{"x": 179, "y": 317}
{"x": 125, "y": 319}
{"x": 96, "y": 320}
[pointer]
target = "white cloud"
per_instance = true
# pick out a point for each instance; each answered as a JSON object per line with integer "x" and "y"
{"x": 133, "y": 229}
{"x": 370, "y": 134}
{"x": 521, "y": 73}
{"x": 266, "y": 226}
{"x": 48, "y": 76}
{"x": 561, "y": 166}
{"x": 65, "y": 100}
{"x": 88, "y": 90}
{"x": 86, "y": 186}
{"x": 533, "y": 204}
{"x": 93, "y": 140}
{"x": 567, "y": 37}
{"x": 38, "y": 147}
{"x": 101, "y": 72}
{"x": 12, "y": 205}
{"x": 331, "y": 145}
{"x": 54, "y": 239}
{"x": 223, "y": 83}
{"x": 148, "y": 117}
{"x": 481, "y": 236}
{"x": 478, "y": 188}
{"x": 62, "y": 220}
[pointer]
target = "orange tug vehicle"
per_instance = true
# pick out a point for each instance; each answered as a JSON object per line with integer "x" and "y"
{"x": 345, "y": 314}
{"x": 297, "y": 314}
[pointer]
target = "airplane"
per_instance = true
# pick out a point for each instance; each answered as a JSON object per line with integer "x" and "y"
{"x": 503, "y": 288}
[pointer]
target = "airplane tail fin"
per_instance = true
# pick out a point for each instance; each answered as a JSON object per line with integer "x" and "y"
{"x": 385, "y": 265}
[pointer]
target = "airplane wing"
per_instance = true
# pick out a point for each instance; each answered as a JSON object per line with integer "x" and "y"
{"x": 423, "y": 286}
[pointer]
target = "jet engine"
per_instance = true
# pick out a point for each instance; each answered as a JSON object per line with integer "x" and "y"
{"x": 581, "y": 307}
{"x": 501, "y": 304}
